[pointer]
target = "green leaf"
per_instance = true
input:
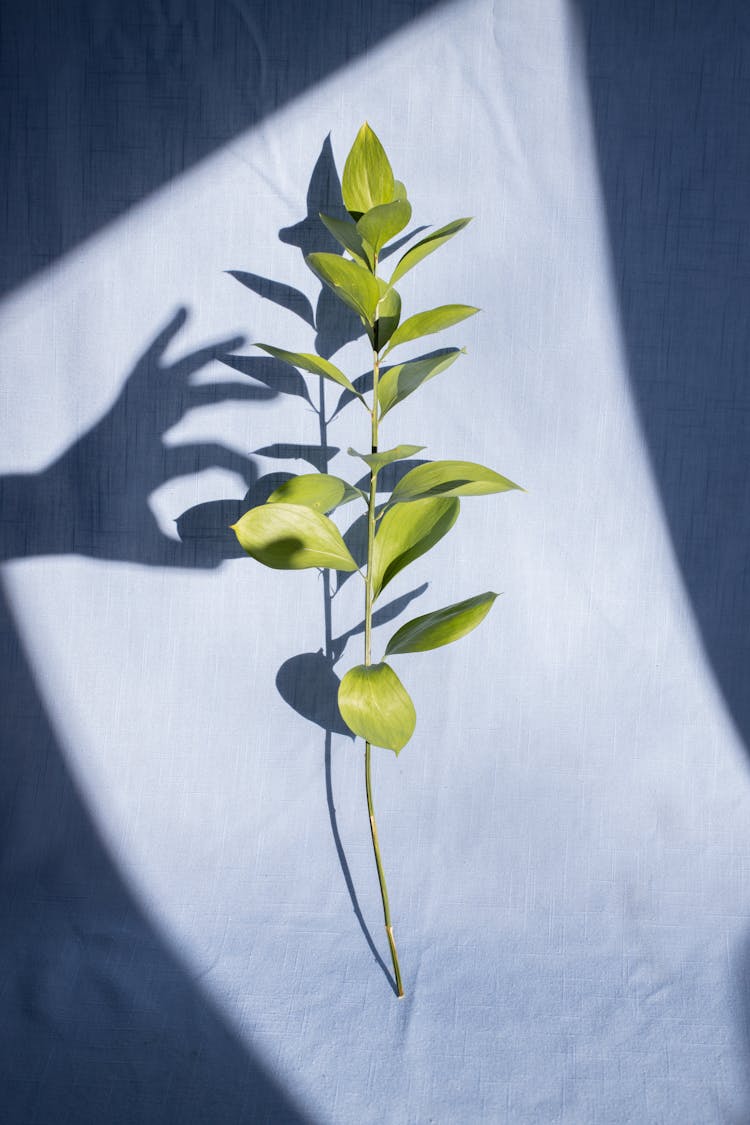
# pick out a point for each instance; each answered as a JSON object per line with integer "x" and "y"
{"x": 375, "y": 705}
{"x": 433, "y": 320}
{"x": 406, "y": 532}
{"x": 426, "y": 246}
{"x": 352, "y": 283}
{"x": 347, "y": 235}
{"x": 450, "y": 478}
{"x": 376, "y": 461}
{"x": 387, "y": 315}
{"x": 319, "y": 491}
{"x": 432, "y": 630}
{"x": 292, "y": 537}
{"x": 368, "y": 177}
{"x": 399, "y": 191}
{"x": 383, "y": 223}
{"x": 312, "y": 363}
{"x": 402, "y": 380}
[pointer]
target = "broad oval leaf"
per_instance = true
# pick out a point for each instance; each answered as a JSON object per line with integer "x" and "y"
{"x": 347, "y": 235}
{"x": 433, "y": 320}
{"x": 432, "y": 630}
{"x": 402, "y": 380}
{"x": 450, "y": 478}
{"x": 426, "y": 246}
{"x": 367, "y": 180}
{"x": 387, "y": 315}
{"x": 320, "y": 491}
{"x": 376, "y": 461}
{"x": 406, "y": 532}
{"x": 383, "y": 223}
{"x": 312, "y": 363}
{"x": 375, "y": 705}
{"x": 351, "y": 282}
{"x": 292, "y": 537}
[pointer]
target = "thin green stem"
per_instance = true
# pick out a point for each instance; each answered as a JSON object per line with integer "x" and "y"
{"x": 381, "y": 875}
{"x": 368, "y": 661}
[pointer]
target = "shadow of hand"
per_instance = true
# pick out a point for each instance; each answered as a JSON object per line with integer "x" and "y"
{"x": 94, "y": 499}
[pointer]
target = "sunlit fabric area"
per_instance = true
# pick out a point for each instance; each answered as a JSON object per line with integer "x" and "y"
{"x": 191, "y": 925}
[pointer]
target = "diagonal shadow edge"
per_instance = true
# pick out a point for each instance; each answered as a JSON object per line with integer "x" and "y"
{"x": 105, "y": 106}
{"x": 90, "y": 988}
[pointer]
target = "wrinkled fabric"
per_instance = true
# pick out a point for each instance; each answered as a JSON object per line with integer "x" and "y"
{"x": 192, "y": 928}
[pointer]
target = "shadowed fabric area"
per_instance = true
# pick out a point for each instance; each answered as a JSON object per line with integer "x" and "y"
{"x": 105, "y": 100}
{"x": 100, "y": 1021}
{"x": 670, "y": 90}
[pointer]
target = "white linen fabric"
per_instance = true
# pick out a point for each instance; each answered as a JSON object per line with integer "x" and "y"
{"x": 195, "y": 930}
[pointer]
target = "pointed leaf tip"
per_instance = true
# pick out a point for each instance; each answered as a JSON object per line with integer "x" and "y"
{"x": 432, "y": 630}
{"x": 450, "y": 478}
{"x": 430, "y": 321}
{"x": 426, "y": 246}
{"x": 367, "y": 180}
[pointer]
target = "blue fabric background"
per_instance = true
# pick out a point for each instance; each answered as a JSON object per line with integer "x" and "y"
{"x": 191, "y": 927}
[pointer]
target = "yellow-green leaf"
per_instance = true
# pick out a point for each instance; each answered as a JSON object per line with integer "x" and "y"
{"x": 450, "y": 478}
{"x": 347, "y": 235}
{"x": 368, "y": 177}
{"x": 292, "y": 537}
{"x": 320, "y": 491}
{"x": 375, "y": 705}
{"x": 426, "y": 246}
{"x": 433, "y": 320}
{"x": 387, "y": 315}
{"x": 406, "y": 532}
{"x": 351, "y": 282}
{"x": 315, "y": 364}
{"x": 432, "y": 630}
{"x": 383, "y": 223}
{"x": 377, "y": 460}
{"x": 402, "y": 380}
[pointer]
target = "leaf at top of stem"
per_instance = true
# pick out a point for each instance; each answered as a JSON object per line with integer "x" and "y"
{"x": 376, "y": 461}
{"x": 387, "y": 315}
{"x": 432, "y": 630}
{"x": 346, "y": 234}
{"x": 406, "y": 532}
{"x": 292, "y": 537}
{"x": 351, "y": 282}
{"x": 450, "y": 478}
{"x": 426, "y": 246}
{"x": 315, "y": 364}
{"x": 320, "y": 491}
{"x": 375, "y": 705}
{"x": 367, "y": 180}
{"x": 383, "y": 223}
{"x": 432, "y": 320}
{"x": 402, "y": 380}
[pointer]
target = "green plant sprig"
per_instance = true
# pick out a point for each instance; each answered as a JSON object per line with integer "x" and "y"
{"x": 293, "y": 530}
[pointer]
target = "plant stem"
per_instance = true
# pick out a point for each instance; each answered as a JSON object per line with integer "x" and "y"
{"x": 381, "y": 876}
{"x": 368, "y": 661}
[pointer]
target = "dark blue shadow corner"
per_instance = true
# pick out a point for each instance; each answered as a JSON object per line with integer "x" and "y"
{"x": 103, "y": 102}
